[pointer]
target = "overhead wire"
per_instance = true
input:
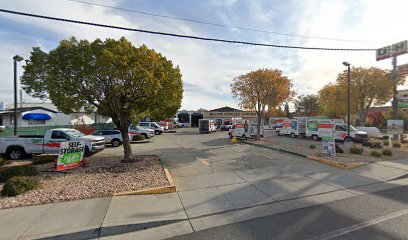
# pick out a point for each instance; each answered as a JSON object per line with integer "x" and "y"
{"x": 180, "y": 35}
{"x": 218, "y": 24}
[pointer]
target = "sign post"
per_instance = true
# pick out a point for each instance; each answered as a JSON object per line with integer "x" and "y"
{"x": 325, "y": 131}
{"x": 393, "y": 51}
{"x": 70, "y": 155}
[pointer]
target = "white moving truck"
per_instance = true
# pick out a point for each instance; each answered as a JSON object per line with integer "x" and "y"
{"x": 16, "y": 147}
{"x": 245, "y": 129}
{"x": 293, "y": 127}
{"x": 206, "y": 126}
{"x": 276, "y": 121}
{"x": 339, "y": 131}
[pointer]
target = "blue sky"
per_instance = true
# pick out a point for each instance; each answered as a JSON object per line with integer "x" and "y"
{"x": 209, "y": 67}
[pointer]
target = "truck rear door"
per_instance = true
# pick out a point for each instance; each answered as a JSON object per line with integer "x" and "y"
{"x": 53, "y": 140}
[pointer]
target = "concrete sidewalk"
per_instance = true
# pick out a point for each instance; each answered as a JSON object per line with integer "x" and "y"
{"x": 202, "y": 201}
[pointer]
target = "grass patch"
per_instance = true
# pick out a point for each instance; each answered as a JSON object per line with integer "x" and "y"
{"x": 356, "y": 150}
{"x": 18, "y": 185}
{"x": 376, "y": 153}
{"x": 17, "y": 171}
{"x": 312, "y": 146}
{"x": 387, "y": 152}
{"x": 367, "y": 144}
{"x": 376, "y": 145}
{"x": 138, "y": 138}
{"x": 396, "y": 144}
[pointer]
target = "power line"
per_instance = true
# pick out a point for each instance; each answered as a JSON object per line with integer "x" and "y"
{"x": 179, "y": 35}
{"x": 218, "y": 24}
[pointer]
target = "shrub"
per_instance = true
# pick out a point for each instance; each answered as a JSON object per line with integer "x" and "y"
{"x": 387, "y": 152}
{"x": 312, "y": 146}
{"x": 375, "y": 153}
{"x": 376, "y": 144}
{"x": 367, "y": 144}
{"x": 17, "y": 171}
{"x": 396, "y": 144}
{"x": 386, "y": 142}
{"x": 356, "y": 150}
{"x": 339, "y": 149}
{"x": 137, "y": 137}
{"x": 18, "y": 185}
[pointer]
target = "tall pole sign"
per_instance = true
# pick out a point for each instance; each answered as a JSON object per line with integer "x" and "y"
{"x": 393, "y": 51}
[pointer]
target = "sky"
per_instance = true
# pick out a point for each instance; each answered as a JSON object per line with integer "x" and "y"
{"x": 209, "y": 67}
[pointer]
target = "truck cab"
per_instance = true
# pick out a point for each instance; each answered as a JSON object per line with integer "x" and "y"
{"x": 16, "y": 147}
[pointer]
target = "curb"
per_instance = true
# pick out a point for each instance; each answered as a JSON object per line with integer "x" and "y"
{"x": 334, "y": 164}
{"x": 158, "y": 190}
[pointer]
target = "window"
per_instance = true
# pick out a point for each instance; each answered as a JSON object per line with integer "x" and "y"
{"x": 58, "y": 135}
{"x": 144, "y": 124}
{"x": 340, "y": 128}
{"x": 112, "y": 132}
{"x": 98, "y": 133}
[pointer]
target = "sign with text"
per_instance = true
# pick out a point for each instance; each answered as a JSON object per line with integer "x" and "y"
{"x": 395, "y": 49}
{"x": 70, "y": 155}
{"x": 403, "y": 69}
{"x": 395, "y": 126}
{"x": 329, "y": 147}
{"x": 243, "y": 114}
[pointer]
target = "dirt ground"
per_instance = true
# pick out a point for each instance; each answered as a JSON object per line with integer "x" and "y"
{"x": 103, "y": 177}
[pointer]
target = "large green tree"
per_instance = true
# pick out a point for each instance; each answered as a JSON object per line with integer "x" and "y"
{"x": 119, "y": 80}
{"x": 307, "y": 105}
{"x": 260, "y": 89}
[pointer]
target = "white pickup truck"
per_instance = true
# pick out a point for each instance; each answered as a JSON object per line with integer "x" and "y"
{"x": 16, "y": 147}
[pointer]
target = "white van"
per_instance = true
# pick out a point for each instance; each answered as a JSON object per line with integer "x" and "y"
{"x": 245, "y": 129}
{"x": 206, "y": 126}
{"x": 156, "y": 127}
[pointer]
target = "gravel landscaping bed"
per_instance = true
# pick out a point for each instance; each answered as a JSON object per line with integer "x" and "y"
{"x": 103, "y": 177}
{"x": 344, "y": 158}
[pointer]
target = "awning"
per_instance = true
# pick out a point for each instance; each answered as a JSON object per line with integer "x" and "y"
{"x": 36, "y": 116}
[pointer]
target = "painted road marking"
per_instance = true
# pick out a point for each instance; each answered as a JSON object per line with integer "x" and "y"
{"x": 347, "y": 230}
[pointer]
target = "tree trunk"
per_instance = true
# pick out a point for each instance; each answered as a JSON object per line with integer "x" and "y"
{"x": 258, "y": 127}
{"x": 127, "y": 149}
{"x": 124, "y": 130}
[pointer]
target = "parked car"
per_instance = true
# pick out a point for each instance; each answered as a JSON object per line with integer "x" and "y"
{"x": 16, "y": 147}
{"x": 156, "y": 127}
{"x": 138, "y": 130}
{"x": 113, "y": 137}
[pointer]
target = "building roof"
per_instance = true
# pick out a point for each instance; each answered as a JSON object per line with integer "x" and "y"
{"x": 226, "y": 109}
{"x": 26, "y": 109}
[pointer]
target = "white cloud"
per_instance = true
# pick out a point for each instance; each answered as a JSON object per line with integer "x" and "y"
{"x": 211, "y": 66}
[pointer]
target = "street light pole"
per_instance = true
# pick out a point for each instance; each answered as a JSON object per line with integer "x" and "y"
{"x": 348, "y": 97}
{"x": 16, "y": 59}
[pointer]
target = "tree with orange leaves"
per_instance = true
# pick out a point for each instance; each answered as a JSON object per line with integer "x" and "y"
{"x": 261, "y": 89}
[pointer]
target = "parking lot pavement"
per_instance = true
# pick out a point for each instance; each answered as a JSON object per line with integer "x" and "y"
{"x": 218, "y": 183}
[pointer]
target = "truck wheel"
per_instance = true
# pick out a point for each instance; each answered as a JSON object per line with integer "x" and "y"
{"x": 144, "y": 135}
{"x": 315, "y": 137}
{"x": 244, "y": 137}
{"x": 87, "y": 153}
{"x": 157, "y": 132}
{"x": 15, "y": 153}
{"x": 293, "y": 135}
{"x": 278, "y": 133}
{"x": 115, "y": 142}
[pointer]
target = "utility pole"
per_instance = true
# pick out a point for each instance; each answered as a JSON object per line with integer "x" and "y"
{"x": 394, "y": 88}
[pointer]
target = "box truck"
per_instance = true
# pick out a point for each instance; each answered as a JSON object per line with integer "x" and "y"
{"x": 206, "y": 126}
{"x": 293, "y": 127}
{"x": 276, "y": 121}
{"x": 245, "y": 129}
{"x": 339, "y": 130}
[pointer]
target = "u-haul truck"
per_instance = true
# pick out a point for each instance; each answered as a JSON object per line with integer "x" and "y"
{"x": 339, "y": 130}
{"x": 293, "y": 127}
{"x": 245, "y": 129}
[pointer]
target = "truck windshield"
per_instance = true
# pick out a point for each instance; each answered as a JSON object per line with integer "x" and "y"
{"x": 351, "y": 127}
{"x": 74, "y": 133}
